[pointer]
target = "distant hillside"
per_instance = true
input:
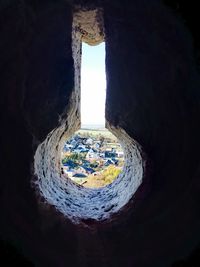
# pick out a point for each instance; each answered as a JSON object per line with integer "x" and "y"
{"x": 93, "y": 127}
{"x": 97, "y": 131}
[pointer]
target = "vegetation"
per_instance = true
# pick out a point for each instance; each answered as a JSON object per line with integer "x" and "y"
{"x": 74, "y": 157}
{"x": 106, "y": 177}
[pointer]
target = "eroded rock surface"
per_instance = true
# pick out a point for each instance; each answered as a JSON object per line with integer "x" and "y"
{"x": 152, "y": 94}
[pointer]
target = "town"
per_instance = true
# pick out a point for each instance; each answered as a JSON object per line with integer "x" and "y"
{"x": 92, "y": 158}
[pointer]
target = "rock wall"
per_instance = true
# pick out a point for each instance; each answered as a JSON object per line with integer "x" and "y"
{"x": 152, "y": 94}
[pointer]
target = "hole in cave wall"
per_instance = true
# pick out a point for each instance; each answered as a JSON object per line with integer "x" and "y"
{"x": 72, "y": 200}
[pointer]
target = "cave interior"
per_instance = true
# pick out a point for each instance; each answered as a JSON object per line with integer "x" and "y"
{"x": 149, "y": 217}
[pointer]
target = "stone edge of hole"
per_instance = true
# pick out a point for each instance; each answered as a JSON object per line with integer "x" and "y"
{"x": 77, "y": 202}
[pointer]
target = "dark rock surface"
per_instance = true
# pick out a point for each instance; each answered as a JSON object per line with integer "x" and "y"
{"x": 153, "y": 93}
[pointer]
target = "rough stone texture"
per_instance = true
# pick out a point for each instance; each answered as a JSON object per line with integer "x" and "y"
{"x": 88, "y": 25}
{"x": 153, "y": 94}
{"x": 77, "y": 202}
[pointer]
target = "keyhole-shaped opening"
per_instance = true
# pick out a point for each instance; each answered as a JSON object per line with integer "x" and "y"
{"x": 92, "y": 157}
{"x": 78, "y": 202}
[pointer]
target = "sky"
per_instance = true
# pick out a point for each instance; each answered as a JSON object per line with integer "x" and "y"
{"x": 93, "y": 85}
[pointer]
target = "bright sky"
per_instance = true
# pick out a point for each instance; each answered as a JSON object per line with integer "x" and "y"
{"x": 93, "y": 84}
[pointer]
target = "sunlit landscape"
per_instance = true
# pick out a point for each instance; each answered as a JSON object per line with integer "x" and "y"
{"x": 92, "y": 158}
